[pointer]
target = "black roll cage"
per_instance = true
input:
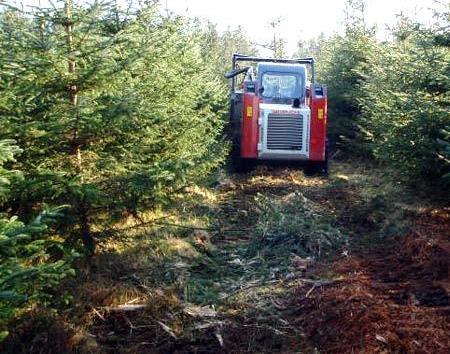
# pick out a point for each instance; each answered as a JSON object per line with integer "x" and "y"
{"x": 247, "y": 58}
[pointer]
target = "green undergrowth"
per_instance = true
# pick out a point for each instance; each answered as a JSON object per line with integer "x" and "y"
{"x": 372, "y": 203}
{"x": 205, "y": 270}
{"x": 297, "y": 225}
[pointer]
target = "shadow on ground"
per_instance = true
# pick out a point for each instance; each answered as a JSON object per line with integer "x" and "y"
{"x": 271, "y": 261}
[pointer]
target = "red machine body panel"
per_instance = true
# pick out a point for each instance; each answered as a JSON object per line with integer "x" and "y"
{"x": 317, "y": 141}
{"x": 249, "y": 132}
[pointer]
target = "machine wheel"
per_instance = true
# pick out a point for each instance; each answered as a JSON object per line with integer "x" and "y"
{"x": 240, "y": 165}
{"x": 322, "y": 168}
{"x": 318, "y": 168}
{"x": 236, "y": 163}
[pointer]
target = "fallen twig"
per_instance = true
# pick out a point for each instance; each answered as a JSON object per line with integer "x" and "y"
{"x": 167, "y": 329}
{"x": 310, "y": 291}
{"x": 127, "y": 308}
{"x": 318, "y": 284}
{"x": 99, "y": 315}
{"x": 155, "y": 222}
{"x": 237, "y": 291}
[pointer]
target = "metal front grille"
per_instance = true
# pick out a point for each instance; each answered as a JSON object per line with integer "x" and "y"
{"x": 284, "y": 132}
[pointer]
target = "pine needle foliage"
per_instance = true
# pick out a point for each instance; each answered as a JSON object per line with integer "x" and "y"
{"x": 296, "y": 224}
{"x": 389, "y": 101}
{"x": 115, "y": 111}
{"x": 406, "y": 105}
{"x": 342, "y": 66}
{"x": 31, "y": 262}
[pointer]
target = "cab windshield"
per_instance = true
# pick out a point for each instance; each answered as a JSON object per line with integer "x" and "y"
{"x": 281, "y": 85}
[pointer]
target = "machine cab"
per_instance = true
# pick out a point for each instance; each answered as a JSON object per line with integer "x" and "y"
{"x": 281, "y": 83}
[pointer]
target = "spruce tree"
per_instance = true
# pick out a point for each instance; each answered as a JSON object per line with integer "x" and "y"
{"x": 115, "y": 112}
{"x": 405, "y": 109}
{"x": 342, "y": 67}
{"x": 31, "y": 261}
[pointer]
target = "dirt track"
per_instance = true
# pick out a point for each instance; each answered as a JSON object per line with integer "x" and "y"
{"x": 390, "y": 292}
{"x": 392, "y": 297}
{"x": 265, "y": 273}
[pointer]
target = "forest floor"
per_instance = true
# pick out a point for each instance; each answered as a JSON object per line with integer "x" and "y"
{"x": 271, "y": 261}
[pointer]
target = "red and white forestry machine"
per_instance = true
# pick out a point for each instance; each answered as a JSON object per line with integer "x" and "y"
{"x": 277, "y": 112}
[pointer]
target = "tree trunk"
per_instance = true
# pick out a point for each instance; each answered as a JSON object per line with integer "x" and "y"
{"x": 83, "y": 209}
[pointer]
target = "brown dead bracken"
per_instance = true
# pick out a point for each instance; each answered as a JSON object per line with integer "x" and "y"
{"x": 392, "y": 299}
